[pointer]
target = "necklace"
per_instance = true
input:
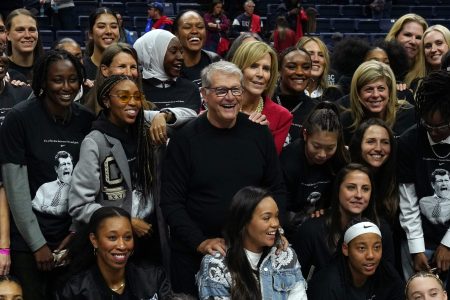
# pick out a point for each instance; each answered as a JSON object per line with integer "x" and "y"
{"x": 439, "y": 156}
{"x": 118, "y": 288}
{"x": 260, "y": 106}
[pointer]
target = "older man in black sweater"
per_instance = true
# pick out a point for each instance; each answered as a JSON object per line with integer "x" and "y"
{"x": 207, "y": 162}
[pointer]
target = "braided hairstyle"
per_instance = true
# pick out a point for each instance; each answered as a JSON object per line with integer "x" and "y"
{"x": 433, "y": 94}
{"x": 144, "y": 153}
{"x": 423, "y": 274}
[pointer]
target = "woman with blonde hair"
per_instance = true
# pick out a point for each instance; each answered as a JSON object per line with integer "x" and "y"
{"x": 408, "y": 31}
{"x": 435, "y": 43}
{"x": 373, "y": 94}
{"x": 319, "y": 85}
{"x": 259, "y": 64}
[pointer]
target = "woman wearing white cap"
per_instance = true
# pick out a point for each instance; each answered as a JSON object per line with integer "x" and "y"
{"x": 358, "y": 272}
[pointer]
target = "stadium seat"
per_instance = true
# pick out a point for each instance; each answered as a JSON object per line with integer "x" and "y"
{"x": 44, "y": 23}
{"x": 329, "y": 11}
{"x": 398, "y": 11}
{"x": 352, "y": 11}
{"x": 169, "y": 9}
{"x": 83, "y": 22}
{"x": 85, "y": 7}
{"x": 77, "y": 35}
{"x": 47, "y": 38}
{"x": 183, "y": 6}
{"x": 426, "y": 12}
{"x": 140, "y": 23}
{"x": 343, "y": 25}
{"x": 116, "y": 6}
{"x": 323, "y": 25}
{"x": 368, "y": 25}
{"x": 386, "y": 24}
{"x": 136, "y": 9}
{"x": 442, "y": 11}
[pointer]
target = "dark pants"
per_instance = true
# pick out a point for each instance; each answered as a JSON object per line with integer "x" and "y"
{"x": 36, "y": 284}
{"x": 183, "y": 267}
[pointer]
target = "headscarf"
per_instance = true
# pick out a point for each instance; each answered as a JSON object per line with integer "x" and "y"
{"x": 151, "y": 49}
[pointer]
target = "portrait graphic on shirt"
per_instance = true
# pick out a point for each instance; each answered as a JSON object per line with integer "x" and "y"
{"x": 52, "y": 197}
{"x": 436, "y": 208}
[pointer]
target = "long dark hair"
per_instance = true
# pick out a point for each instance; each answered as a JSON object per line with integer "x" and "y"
{"x": 333, "y": 217}
{"x": 386, "y": 197}
{"x": 240, "y": 214}
{"x": 325, "y": 117}
{"x": 144, "y": 155}
{"x": 92, "y": 18}
{"x": 42, "y": 65}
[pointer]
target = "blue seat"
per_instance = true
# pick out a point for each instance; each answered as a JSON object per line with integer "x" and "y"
{"x": 368, "y": 25}
{"x": 140, "y": 23}
{"x": 169, "y": 9}
{"x": 386, "y": 24}
{"x": 343, "y": 25}
{"x": 443, "y": 22}
{"x": 442, "y": 11}
{"x": 326, "y": 37}
{"x": 44, "y": 22}
{"x": 85, "y": 8}
{"x": 352, "y": 11}
{"x": 329, "y": 11}
{"x": 83, "y": 22}
{"x": 323, "y": 25}
{"x": 272, "y": 8}
{"x": 184, "y": 6}
{"x": 116, "y": 7}
{"x": 399, "y": 10}
{"x": 47, "y": 38}
{"x": 136, "y": 8}
{"x": 426, "y": 12}
{"x": 377, "y": 36}
{"x": 77, "y": 35}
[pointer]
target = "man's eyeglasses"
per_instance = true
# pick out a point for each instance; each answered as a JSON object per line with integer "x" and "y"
{"x": 223, "y": 91}
{"x": 125, "y": 97}
{"x": 430, "y": 128}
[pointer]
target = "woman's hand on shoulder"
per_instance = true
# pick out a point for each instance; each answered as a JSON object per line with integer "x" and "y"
{"x": 158, "y": 129}
{"x": 258, "y": 118}
{"x": 140, "y": 227}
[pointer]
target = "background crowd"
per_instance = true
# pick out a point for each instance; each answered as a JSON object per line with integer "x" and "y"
{"x": 229, "y": 152}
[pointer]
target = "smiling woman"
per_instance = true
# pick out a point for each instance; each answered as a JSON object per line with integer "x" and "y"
{"x": 251, "y": 269}
{"x": 259, "y": 64}
{"x": 352, "y": 196}
{"x": 373, "y": 144}
{"x": 103, "y": 32}
{"x": 101, "y": 268}
{"x": 161, "y": 56}
{"x": 24, "y": 45}
{"x": 373, "y": 95}
{"x": 358, "y": 272}
{"x": 435, "y": 44}
{"x": 29, "y": 174}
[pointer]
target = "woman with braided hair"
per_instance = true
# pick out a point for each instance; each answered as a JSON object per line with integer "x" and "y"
{"x": 423, "y": 284}
{"x": 119, "y": 166}
{"x": 423, "y": 177}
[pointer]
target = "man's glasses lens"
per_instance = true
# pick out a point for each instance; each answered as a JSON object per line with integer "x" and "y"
{"x": 222, "y": 92}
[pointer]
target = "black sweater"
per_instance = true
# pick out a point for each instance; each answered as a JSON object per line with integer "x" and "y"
{"x": 205, "y": 166}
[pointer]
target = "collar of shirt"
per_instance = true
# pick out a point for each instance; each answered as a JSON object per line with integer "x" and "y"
{"x": 444, "y": 141}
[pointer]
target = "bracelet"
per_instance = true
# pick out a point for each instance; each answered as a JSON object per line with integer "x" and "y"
{"x": 4, "y": 251}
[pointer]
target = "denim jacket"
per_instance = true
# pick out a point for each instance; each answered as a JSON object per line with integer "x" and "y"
{"x": 280, "y": 277}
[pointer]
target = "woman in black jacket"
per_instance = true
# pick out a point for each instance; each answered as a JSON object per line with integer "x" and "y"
{"x": 358, "y": 272}
{"x": 102, "y": 272}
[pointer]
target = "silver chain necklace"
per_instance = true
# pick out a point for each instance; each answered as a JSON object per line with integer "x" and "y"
{"x": 437, "y": 155}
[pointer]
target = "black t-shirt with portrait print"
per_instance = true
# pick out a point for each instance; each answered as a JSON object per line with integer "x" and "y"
{"x": 417, "y": 160}
{"x": 30, "y": 136}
